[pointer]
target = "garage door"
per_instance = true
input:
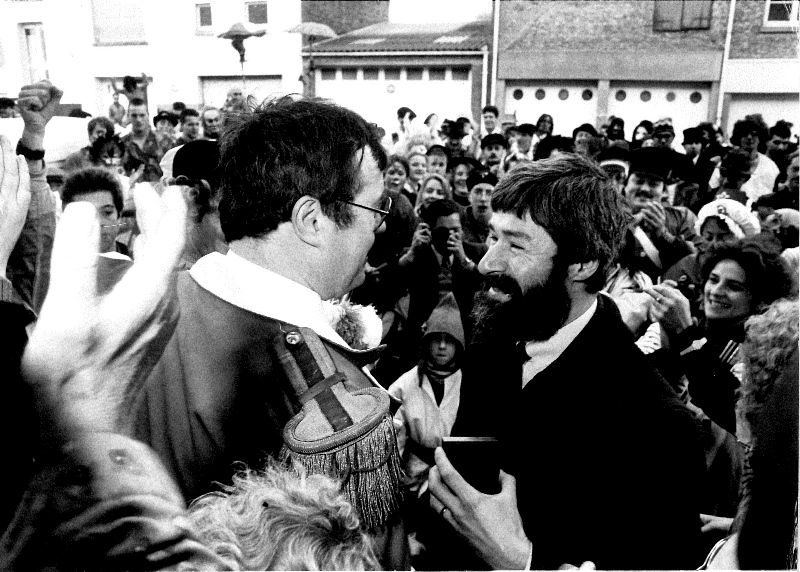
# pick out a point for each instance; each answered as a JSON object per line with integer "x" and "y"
{"x": 215, "y": 89}
{"x": 570, "y": 103}
{"x": 686, "y": 104}
{"x": 377, "y": 93}
{"x": 773, "y": 106}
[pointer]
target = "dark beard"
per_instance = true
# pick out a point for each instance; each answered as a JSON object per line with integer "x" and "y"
{"x": 535, "y": 315}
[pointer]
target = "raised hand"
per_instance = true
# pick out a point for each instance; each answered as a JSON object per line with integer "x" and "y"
{"x": 89, "y": 355}
{"x": 422, "y": 236}
{"x": 37, "y": 104}
{"x": 15, "y": 197}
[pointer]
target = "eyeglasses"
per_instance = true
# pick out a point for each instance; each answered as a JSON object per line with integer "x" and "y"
{"x": 386, "y": 204}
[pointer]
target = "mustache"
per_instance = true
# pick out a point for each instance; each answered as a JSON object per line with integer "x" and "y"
{"x": 502, "y": 282}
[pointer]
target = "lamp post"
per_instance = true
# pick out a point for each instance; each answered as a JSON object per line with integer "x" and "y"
{"x": 315, "y": 32}
{"x": 237, "y": 34}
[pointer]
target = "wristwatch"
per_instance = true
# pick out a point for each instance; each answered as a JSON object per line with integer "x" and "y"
{"x": 30, "y": 154}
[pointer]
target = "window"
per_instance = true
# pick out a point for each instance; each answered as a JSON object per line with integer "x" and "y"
{"x": 413, "y": 73}
{"x": 203, "y": 17}
{"x": 460, "y": 74}
{"x": 371, "y": 73}
{"x": 118, "y": 22}
{"x": 257, "y": 12}
{"x": 781, "y": 13}
{"x": 349, "y": 73}
{"x": 328, "y": 73}
{"x": 436, "y": 74}
{"x": 677, "y": 15}
{"x": 391, "y": 74}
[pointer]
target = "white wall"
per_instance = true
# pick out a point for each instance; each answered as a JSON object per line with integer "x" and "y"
{"x": 174, "y": 55}
{"x": 567, "y": 113}
{"x": 683, "y": 112}
{"x": 438, "y": 11}
{"x": 378, "y": 100}
{"x": 12, "y": 14}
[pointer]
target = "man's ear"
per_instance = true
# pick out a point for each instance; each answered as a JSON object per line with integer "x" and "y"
{"x": 582, "y": 271}
{"x": 308, "y": 220}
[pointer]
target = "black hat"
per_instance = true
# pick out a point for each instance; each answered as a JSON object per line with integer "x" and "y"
{"x": 652, "y": 161}
{"x": 663, "y": 128}
{"x": 692, "y": 135}
{"x": 586, "y": 128}
{"x": 453, "y": 129}
{"x": 481, "y": 176}
{"x": 456, "y": 161}
{"x": 438, "y": 150}
{"x": 527, "y": 129}
{"x": 168, "y": 115}
{"x": 494, "y": 139}
{"x": 197, "y": 160}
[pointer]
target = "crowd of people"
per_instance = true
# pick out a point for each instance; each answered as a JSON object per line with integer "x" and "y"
{"x": 276, "y": 337}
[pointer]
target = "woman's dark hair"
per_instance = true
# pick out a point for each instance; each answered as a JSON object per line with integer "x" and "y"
{"x": 398, "y": 159}
{"x": 766, "y": 272}
{"x": 284, "y": 150}
{"x": 552, "y": 123}
{"x": 553, "y": 143}
{"x": 105, "y": 122}
{"x": 648, "y": 126}
{"x": 751, "y": 124}
{"x": 92, "y": 180}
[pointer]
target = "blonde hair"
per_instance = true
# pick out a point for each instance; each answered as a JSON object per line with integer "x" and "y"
{"x": 771, "y": 339}
{"x": 448, "y": 192}
{"x": 281, "y": 519}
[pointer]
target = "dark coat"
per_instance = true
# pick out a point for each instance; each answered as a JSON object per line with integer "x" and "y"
{"x": 218, "y": 398}
{"x": 607, "y": 458}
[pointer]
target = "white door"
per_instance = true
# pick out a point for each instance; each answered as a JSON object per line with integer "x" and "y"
{"x": 215, "y": 89}
{"x": 376, "y": 94}
{"x": 569, "y": 103}
{"x": 686, "y": 104}
{"x": 773, "y": 106}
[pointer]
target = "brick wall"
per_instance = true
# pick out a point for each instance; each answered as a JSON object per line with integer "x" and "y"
{"x": 748, "y": 41}
{"x": 345, "y": 16}
{"x": 604, "y": 26}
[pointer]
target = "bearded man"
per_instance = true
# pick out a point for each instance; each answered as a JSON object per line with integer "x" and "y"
{"x": 594, "y": 442}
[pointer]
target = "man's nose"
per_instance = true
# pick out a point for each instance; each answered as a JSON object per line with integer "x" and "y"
{"x": 491, "y": 262}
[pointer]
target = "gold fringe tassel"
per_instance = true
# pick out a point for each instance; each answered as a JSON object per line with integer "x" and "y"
{"x": 369, "y": 469}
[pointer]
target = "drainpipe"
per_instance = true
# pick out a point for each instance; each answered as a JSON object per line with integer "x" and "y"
{"x": 725, "y": 55}
{"x": 484, "y": 76}
{"x": 495, "y": 49}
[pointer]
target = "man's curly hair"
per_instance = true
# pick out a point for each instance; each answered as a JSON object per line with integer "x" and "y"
{"x": 771, "y": 339}
{"x": 282, "y": 519}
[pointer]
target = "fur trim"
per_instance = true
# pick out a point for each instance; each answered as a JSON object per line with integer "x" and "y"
{"x": 359, "y": 326}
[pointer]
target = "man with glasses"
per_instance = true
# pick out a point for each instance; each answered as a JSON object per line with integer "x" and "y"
{"x": 299, "y": 213}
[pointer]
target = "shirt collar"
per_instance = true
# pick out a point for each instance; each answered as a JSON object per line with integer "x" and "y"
{"x": 544, "y": 353}
{"x": 261, "y": 291}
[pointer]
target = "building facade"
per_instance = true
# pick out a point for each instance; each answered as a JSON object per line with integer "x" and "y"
{"x": 82, "y": 45}
{"x": 583, "y": 61}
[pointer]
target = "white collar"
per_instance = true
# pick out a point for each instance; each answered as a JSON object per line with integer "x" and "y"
{"x": 261, "y": 291}
{"x": 544, "y": 353}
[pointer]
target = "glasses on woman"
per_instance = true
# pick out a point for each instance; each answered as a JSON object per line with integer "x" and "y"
{"x": 386, "y": 204}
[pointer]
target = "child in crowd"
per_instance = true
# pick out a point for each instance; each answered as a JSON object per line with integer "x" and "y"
{"x": 430, "y": 394}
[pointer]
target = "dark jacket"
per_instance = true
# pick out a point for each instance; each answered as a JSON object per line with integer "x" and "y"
{"x": 606, "y": 457}
{"x": 218, "y": 398}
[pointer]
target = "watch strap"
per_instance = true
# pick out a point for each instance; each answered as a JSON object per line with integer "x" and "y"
{"x": 30, "y": 154}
